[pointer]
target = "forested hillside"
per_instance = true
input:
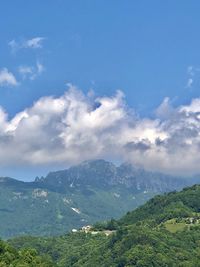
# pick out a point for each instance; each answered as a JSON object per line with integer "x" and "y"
{"x": 27, "y": 257}
{"x": 163, "y": 232}
{"x": 84, "y": 194}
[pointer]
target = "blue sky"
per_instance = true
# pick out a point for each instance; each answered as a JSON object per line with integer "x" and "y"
{"x": 141, "y": 47}
{"x": 149, "y": 50}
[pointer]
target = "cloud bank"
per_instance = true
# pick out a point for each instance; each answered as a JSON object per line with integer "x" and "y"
{"x": 76, "y": 127}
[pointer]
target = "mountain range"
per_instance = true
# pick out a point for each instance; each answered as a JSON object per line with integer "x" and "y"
{"x": 84, "y": 194}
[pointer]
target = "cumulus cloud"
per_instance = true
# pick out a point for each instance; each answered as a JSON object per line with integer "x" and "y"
{"x": 165, "y": 110}
{"x": 7, "y": 78}
{"x": 76, "y": 127}
{"x": 33, "y": 43}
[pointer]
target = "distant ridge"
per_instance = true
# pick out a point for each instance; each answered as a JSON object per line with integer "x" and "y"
{"x": 83, "y": 194}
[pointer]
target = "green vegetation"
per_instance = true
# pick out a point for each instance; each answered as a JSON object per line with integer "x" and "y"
{"x": 40, "y": 211}
{"x": 163, "y": 232}
{"x": 161, "y": 208}
{"x": 173, "y": 226}
{"x": 178, "y": 224}
{"x": 81, "y": 195}
{"x": 10, "y": 257}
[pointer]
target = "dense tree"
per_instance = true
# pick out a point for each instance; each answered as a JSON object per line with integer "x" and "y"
{"x": 164, "y": 232}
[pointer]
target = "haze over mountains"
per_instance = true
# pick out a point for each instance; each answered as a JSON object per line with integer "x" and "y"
{"x": 89, "y": 192}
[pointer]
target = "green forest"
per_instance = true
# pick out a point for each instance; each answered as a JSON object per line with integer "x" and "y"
{"x": 163, "y": 232}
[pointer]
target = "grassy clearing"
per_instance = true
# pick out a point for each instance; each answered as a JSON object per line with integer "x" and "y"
{"x": 177, "y": 224}
{"x": 173, "y": 227}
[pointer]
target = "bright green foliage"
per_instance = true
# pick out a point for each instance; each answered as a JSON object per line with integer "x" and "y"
{"x": 10, "y": 257}
{"x": 164, "y": 207}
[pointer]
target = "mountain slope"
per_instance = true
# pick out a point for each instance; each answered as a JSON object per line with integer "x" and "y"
{"x": 92, "y": 191}
{"x": 168, "y": 206}
{"x": 140, "y": 239}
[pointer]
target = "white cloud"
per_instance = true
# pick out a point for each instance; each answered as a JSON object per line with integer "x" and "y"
{"x": 189, "y": 82}
{"x": 165, "y": 110}
{"x": 25, "y": 71}
{"x": 31, "y": 72}
{"x": 192, "y": 71}
{"x": 7, "y": 78}
{"x": 40, "y": 67}
{"x": 76, "y": 127}
{"x": 13, "y": 45}
{"x": 34, "y": 43}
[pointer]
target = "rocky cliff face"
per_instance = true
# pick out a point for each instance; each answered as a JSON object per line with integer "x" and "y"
{"x": 103, "y": 174}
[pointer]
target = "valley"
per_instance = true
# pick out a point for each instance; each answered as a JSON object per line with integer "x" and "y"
{"x": 140, "y": 238}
